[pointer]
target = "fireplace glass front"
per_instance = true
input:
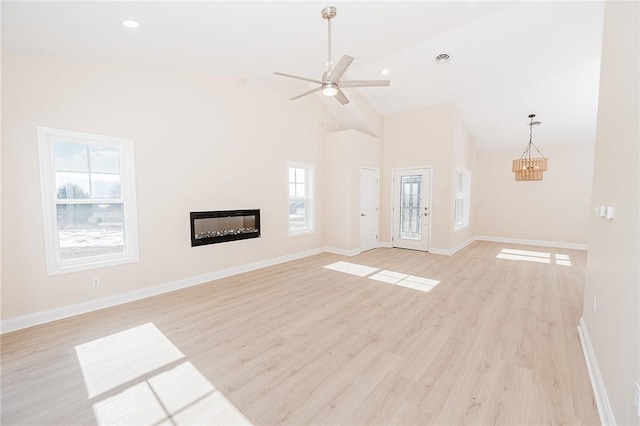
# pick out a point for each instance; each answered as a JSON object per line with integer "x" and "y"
{"x": 224, "y": 225}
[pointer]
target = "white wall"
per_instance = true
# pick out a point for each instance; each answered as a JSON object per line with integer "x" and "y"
{"x": 433, "y": 136}
{"x": 357, "y": 115}
{"x": 189, "y": 132}
{"x": 613, "y": 274}
{"x": 345, "y": 153}
{"x": 555, "y": 209}
{"x": 464, "y": 157}
{"x": 415, "y": 138}
{"x": 338, "y": 209}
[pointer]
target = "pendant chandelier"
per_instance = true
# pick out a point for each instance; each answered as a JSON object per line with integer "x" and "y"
{"x": 528, "y": 168}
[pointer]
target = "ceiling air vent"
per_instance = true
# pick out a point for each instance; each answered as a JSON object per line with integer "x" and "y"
{"x": 441, "y": 59}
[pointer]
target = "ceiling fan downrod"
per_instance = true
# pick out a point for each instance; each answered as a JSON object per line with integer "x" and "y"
{"x": 328, "y": 13}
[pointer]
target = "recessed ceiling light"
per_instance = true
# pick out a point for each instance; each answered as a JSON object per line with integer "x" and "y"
{"x": 384, "y": 72}
{"x": 441, "y": 59}
{"x": 129, "y": 23}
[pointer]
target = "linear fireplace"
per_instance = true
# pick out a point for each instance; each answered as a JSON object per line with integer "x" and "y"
{"x": 224, "y": 225}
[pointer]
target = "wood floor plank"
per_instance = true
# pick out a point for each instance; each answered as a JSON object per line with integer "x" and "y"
{"x": 494, "y": 342}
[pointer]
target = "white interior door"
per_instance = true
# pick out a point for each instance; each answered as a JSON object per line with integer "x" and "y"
{"x": 369, "y": 190}
{"x": 411, "y": 208}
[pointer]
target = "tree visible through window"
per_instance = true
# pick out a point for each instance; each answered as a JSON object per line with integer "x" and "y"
{"x": 300, "y": 198}
{"x": 88, "y": 200}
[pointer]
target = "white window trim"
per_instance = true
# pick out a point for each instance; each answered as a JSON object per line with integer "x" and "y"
{"x": 56, "y": 266}
{"x": 466, "y": 201}
{"x": 311, "y": 205}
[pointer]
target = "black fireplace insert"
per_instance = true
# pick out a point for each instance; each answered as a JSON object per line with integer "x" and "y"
{"x": 224, "y": 225}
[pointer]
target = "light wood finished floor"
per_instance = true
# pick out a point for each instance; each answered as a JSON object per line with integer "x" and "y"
{"x": 495, "y": 342}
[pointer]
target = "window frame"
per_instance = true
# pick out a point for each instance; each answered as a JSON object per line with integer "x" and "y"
{"x": 309, "y": 198}
{"x": 462, "y": 199}
{"x": 55, "y": 265}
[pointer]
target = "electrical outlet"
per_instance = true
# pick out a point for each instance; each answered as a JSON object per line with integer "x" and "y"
{"x": 95, "y": 281}
{"x": 609, "y": 212}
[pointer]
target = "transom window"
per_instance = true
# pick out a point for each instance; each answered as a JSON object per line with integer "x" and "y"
{"x": 301, "y": 218}
{"x": 88, "y": 198}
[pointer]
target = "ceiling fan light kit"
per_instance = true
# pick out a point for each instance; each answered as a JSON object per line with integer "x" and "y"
{"x": 330, "y": 89}
{"x": 331, "y": 83}
{"x": 528, "y": 168}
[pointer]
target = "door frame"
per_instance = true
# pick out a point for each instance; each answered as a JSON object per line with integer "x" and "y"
{"x": 377, "y": 170}
{"x": 393, "y": 200}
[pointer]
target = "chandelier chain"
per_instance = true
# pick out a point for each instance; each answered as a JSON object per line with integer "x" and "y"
{"x": 527, "y": 150}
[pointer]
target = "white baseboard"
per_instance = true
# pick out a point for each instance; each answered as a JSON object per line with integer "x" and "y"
{"x": 341, "y": 252}
{"x": 599, "y": 391}
{"x": 435, "y": 250}
{"x": 574, "y": 246}
{"x": 385, "y": 244}
{"x": 443, "y": 252}
{"x": 452, "y": 251}
{"x": 30, "y": 320}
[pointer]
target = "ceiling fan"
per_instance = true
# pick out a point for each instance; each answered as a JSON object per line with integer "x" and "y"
{"x": 331, "y": 84}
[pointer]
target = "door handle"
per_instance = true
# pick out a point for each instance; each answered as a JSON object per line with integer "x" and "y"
{"x": 362, "y": 214}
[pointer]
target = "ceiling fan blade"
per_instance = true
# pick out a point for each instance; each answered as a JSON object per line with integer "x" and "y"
{"x": 298, "y": 77}
{"x": 340, "y": 69}
{"x": 364, "y": 83}
{"x": 306, "y": 93}
{"x": 340, "y": 96}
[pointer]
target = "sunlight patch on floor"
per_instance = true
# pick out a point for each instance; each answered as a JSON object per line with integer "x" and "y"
{"x": 507, "y": 256}
{"x": 529, "y": 253}
{"x": 136, "y": 405}
{"x": 117, "y": 359}
{"x": 352, "y": 268}
{"x": 212, "y": 409}
{"x": 180, "y": 387}
{"x": 563, "y": 259}
{"x": 389, "y": 277}
{"x": 404, "y": 280}
{"x": 535, "y": 256}
{"x": 137, "y": 370}
{"x": 180, "y": 396}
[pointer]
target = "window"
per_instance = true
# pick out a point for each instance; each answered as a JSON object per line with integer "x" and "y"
{"x": 462, "y": 198}
{"x": 88, "y": 200}
{"x": 300, "y": 198}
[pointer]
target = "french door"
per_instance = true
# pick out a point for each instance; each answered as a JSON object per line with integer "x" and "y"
{"x": 411, "y": 208}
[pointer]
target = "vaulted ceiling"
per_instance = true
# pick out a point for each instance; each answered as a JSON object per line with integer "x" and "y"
{"x": 508, "y": 59}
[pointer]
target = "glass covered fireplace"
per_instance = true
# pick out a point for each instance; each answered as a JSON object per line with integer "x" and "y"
{"x": 224, "y": 225}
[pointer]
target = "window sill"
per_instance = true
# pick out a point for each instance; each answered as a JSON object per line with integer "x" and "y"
{"x": 460, "y": 228}
{"x": 298, "y": 234}
{"x": 59, "y": 270}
